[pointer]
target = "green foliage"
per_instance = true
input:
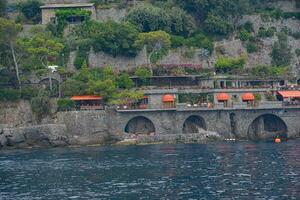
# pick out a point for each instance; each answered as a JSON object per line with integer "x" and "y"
{"x": 151, "y": 18}
{"x": 29, "y": 92}
{"x": 40, "y": 104}
{"x": 8, "y": 31}
{"x": 295, "y": 15}
{"x": 297, "y": 52}
{"x": 281, "y": 52}
{"x": 257, "y": 97}
{"x": 245, "y": 35}
{"x": 181, "y": 22}
{"x": 265, "y": 71}
{"x": 248, "y": 26}
{"x": 7, "y": 94}
{"x": 154, "y": 41}
{"x": 177, "y": 41}
{"x": 124, "y": 81}
{"x": 81, "y": 57}
{"x": 31, "y": 10}
{"x": 251, "y": 47}
{"x": 73, "y": 87}
{"x": 200, "y": 41}
{"x": 230, "y": 65}
{"x": 63, "y": 14}
{"x": 113, "y": 38}
{"x": 217, "y": 26}
{"x": 262, "y": 32}
{"x": 65, "y": 104}
{"x": 42, "y": 48}
{"x": 3, "y": 5}
{"x": 142, "y": 73}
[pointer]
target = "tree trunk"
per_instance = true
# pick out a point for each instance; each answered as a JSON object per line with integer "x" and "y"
{"x": 50, "y": 83}
{"x": 16, "y": 66}
{"x": 149, "y": 62}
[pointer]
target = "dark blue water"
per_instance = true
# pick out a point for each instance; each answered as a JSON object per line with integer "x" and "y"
{"x": 241, "y": 170}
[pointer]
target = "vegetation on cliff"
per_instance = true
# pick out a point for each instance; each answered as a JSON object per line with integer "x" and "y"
{"x": 157, "y": 26}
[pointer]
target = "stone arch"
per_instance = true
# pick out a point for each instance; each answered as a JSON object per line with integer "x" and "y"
{"x": 140, "y": 125}
{"x": 267, "y": 127}
{"x": 193, "y": 124}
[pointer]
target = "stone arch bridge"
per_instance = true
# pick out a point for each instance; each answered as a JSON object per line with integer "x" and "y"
{"x": 237, "y": 123}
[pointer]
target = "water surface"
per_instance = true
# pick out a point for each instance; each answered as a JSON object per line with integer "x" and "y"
{"x": 241, "y": 170}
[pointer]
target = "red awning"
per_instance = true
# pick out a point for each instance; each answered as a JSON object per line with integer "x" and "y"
{"x": 248, "y": 97}
{"x": 168, "y": 98}
{"x": 289, "y": 94}
{"x": 86, "y": 98}
{"x": 223, "y": 97}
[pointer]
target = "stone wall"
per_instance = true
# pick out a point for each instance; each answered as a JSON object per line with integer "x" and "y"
{"x": 15, "y": 114}
{"x": 86, "y": 127}
{"x": 111, "y": 14}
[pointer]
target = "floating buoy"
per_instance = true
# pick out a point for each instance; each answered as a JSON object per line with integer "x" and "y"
{"x": 277, "y": 140}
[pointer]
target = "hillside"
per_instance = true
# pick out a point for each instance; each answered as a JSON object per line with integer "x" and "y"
{"x": 254, "y": 38}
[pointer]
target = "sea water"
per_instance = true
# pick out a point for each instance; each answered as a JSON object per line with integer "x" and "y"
{"x": 226, "y": 170}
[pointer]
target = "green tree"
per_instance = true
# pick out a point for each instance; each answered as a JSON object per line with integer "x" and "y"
{"x": 113, "y": 38}
{"x": 229, "y": 65}
{"x": 142, "y": 73}
{"x": 73, "y": 87}
{"x": 281, "y": 52}
{"x": 106, "y": 88}
{"x": 31, "y": 10}
{"x": 149, "y": 18}
{"x": 216, "y": 25}
{"x": 43, "y": 49}
{"x": 3, "y": 4}
{"x": 154, "y": 42}
{"x": 124, "y": 81}
{"x": 8, "y": 36}
{"x": 41, "y": 104}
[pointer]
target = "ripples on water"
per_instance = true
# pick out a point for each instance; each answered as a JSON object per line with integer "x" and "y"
{"x": 241, "y": 170}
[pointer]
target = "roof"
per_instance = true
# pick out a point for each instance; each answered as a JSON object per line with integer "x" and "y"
{"x": 223, "y": 97}
{"x": 248, "y": 97}
{"x": 168, "y": 98}
{"x": 289, "y": 94}
{"x": 86, "y": 98}
{"x": 73, "y": 5}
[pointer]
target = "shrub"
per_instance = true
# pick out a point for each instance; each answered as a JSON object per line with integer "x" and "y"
{"x": 297, "y": 52}
{"x": 7, "y": 94}
{"x": 281, "y": 52}
{"x": 29, "y": 92}
{"x": 264, "y": 71}
{"x": 124, "y": 81}
{"x": 40, "y": 104}
{"x": 31, "y": 10}
{"x": 266, "y": 32}
{"x": 114, "y": 38}
{"x": 65, "y": 104}
{"x": 228, "y": 65}
{"x": 251, "y": 47}
{"x": 200, "y": 41}
{"x": 151, "y": 18}
{"x": 177, "y": 41}
{"x": 248, "y": 26}
{"x": 217, "y": 26}
{"x": 244, "y": 35}
{"x": 142, "y": 73}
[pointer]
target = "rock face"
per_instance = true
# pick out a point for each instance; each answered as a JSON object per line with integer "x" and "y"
{"x": 201, "y": 137}
{"x": 42, "y": 135}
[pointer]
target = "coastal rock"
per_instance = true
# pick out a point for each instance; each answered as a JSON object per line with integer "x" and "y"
{"x": 42, "y": 135}
{"x": 3, "y": 141}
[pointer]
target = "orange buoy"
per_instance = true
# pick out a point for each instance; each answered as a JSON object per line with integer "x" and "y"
{"x": 277, "y": 140}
